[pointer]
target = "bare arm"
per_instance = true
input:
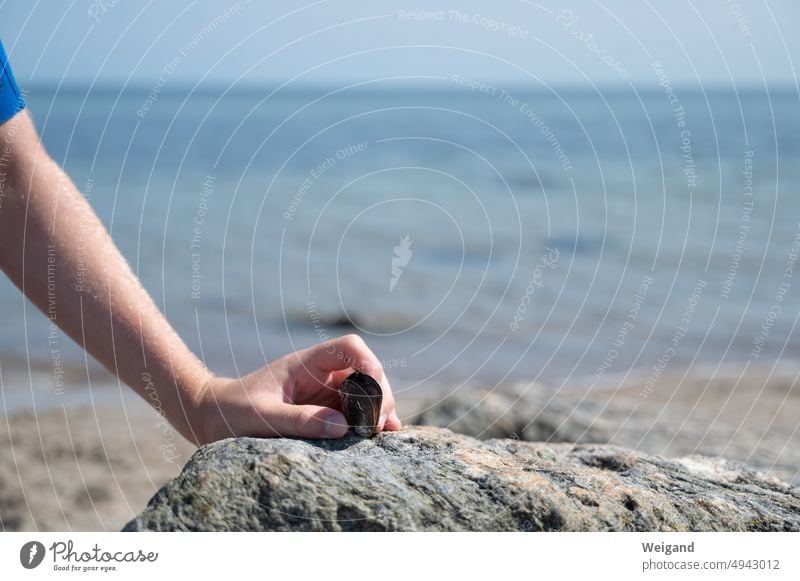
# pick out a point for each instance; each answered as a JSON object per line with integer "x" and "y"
{"x": 87, "y": 288}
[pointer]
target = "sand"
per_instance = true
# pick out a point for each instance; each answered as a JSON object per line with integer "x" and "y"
{"x": 83, "y": 469}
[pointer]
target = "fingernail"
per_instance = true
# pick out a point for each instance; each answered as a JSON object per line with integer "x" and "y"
{"x": 381, "y": 422}
{"x": 334, "y": 424}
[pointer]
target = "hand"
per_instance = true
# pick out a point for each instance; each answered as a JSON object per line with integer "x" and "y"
{"x": 296, "y": 395}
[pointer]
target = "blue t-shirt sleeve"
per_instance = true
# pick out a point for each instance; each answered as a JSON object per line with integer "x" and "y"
{"x": 11, "y": 101}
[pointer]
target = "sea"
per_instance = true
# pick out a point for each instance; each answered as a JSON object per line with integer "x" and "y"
{"x": 471, "y": 235}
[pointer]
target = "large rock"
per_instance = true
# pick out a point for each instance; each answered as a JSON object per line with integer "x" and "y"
{"x": 756, "y": 424}
{"x": 533, "y": 413}
{"x": 431, "y": 479}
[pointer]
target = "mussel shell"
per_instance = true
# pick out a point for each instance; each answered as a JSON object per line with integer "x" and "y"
{"x": 362, "y": 398}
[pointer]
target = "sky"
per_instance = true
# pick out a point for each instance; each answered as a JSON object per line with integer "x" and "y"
{"x": 583, "y": 43}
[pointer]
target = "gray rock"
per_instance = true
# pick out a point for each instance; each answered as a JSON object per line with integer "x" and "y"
{"x": 531, "y": 413}
{"x": 426, "y": 478}
{"x": 665, "y": 427}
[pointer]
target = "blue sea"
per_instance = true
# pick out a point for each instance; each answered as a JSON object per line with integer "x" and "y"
{"x": 470, "y": 236}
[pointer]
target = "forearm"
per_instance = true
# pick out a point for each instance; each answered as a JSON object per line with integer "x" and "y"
{"x": 55, "y": 249}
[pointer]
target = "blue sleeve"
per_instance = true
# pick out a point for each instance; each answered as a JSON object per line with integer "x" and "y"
{"x": 11, "y": 101}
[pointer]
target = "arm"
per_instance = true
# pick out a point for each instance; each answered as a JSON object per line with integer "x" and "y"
{"x": 109, "y": 313}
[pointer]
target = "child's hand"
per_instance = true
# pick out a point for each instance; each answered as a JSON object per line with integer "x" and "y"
{"x": 296, "y": 395}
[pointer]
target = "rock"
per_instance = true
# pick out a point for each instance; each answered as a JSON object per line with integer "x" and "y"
{"x": 425, "y": 478}
{"x": 531, "y": 413}
{"x": 670, "y": 425}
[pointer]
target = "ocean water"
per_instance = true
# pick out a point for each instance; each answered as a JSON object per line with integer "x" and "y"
{"x": 469, "y": 237}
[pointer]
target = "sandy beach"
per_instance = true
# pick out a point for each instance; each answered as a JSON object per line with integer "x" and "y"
{"x": 79, "y": 469}
{"x": 95, "y": 468}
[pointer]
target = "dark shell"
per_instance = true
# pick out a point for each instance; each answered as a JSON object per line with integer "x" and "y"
{"x": 362, "y": 397}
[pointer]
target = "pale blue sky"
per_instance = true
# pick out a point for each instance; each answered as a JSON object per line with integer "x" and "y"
{"x": 711, "y": 42}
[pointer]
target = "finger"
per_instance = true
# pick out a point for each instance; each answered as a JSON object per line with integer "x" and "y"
{"x": 347, "y": 352}
{"x": 351, "y": 352}
{"x": 323, "y": 391}
{"x": 393, "y": 423}
{"x": 303, "y": 421}
{"x": 388, "y": 402}
{"x": 387, "y": 408}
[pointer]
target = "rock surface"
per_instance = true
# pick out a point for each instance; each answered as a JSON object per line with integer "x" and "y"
{"x": 755, "y": 424}
{"x": 426, "y": 478}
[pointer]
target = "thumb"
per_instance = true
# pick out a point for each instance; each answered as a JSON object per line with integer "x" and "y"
{"x": 308, "y": 421}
